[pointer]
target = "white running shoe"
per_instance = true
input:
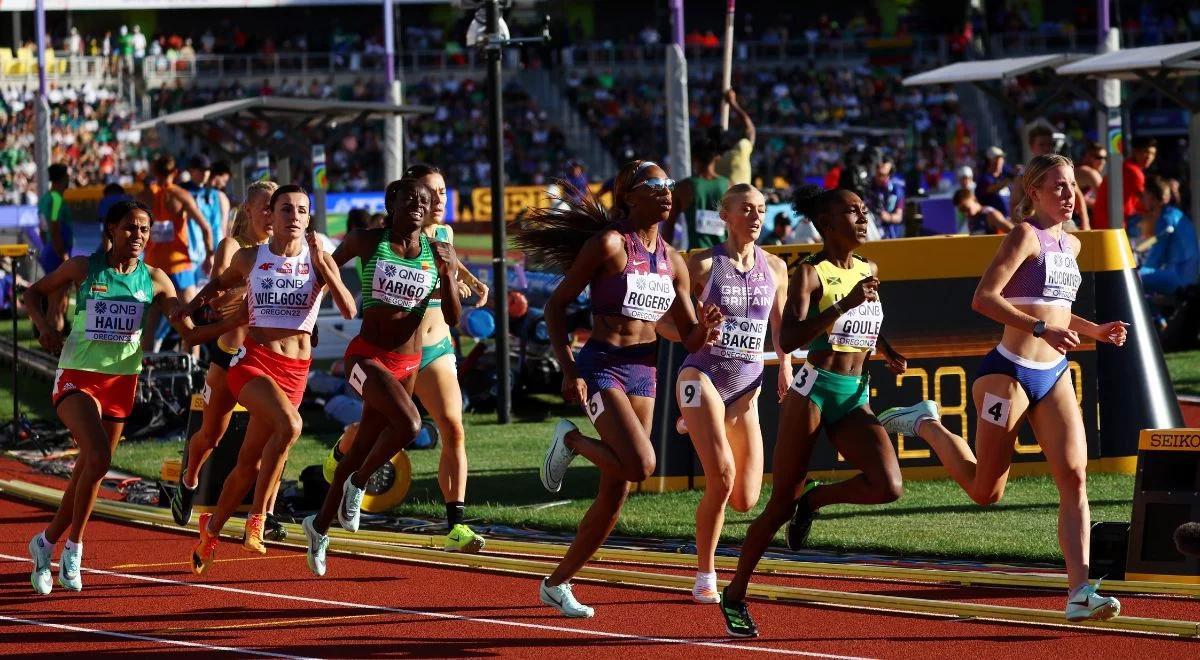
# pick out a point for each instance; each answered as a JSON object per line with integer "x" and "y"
{"x": 41, "y": 551}
{"x": 1087, "y": 604}
{"x": 903, "y": 421}
{"x": 563, "y": 600}
{"x": 705, "y": 592}
{"x": 316, "y": 546}
{"x": 68, "y": 568}
{"x": 558, "y": 457}
{"x": 350, "y": 510}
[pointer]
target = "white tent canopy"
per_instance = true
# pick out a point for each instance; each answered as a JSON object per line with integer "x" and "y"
{"x": 982, "y": 70}
{"x": 1129, "y": 63}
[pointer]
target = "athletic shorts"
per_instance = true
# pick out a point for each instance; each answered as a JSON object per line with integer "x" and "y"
{"x": 183, "y": 280}
{"x": 837, "y": 395}
{"x": 254, "y": 360}
{"x": 435, "y": 351}
{"x": 114, "y": 392}
{"x": 732, "y": 378}
{"x": 631, "y": 369}
{"x": 219, "y": 354}
{"x": 1036, "y": 378}
{"x": 400, "y": 365}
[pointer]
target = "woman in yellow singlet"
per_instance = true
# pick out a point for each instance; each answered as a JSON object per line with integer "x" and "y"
{"x": 832, "y": 307}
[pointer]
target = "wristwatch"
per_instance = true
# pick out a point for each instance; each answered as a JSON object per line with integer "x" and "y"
{"x": 1039, "y": 328}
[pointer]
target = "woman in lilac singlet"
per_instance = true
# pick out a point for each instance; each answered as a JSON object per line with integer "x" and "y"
{"x": 1029, "y": 288}
{"x": 635, "y": 279}
{"x": 717, "y": 388}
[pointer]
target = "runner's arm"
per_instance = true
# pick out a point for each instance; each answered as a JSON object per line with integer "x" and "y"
{"x": 795, "y": 330}
{"x": 591, "y": 260}
{"x": 696, "y": 325}
{"x": 70, "y": 272}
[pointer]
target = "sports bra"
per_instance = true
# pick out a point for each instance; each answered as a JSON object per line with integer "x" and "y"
{"x": 645, "y": 290}
{"x": 390, "y": 279}
{"x": 745, "y": 300}
{"x": 857, "y": 329}
{"x": 1051, "y": 279}
{"x": 283, "y": 292}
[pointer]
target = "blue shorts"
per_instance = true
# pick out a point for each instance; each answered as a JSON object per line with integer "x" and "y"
{"x": 1036, "y": 378}
{"x": 183, "y": 280}
{"x": 631, "y": 369}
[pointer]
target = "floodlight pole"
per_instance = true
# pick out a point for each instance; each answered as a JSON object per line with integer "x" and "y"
{"x": 499, "y": 235}
{"x": 1111, "y": 133}
{"x": 41, "y": 148}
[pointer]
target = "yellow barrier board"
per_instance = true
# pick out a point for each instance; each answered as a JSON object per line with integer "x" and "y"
{"x": 14, "y": 250}
{"x": 1169, "y": 440}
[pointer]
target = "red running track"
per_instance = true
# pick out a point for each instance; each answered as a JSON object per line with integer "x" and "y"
{"x": 139, "y": 596}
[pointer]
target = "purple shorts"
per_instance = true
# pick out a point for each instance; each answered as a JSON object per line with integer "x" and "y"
{"x": 631, "y": 369}
{"x": 732, "y": 378}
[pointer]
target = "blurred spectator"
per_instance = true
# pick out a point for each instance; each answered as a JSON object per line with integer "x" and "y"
{"x": 1089, "y": 173}
{"x": 1133, "y": 184}
{"x": 975, "y": 218}
{"x": 696, "y": 204}
{"x": 993, "y": 185}
{"x": 781, "y": 230}
{"x": 885, "y": 198}
{"x": 966, "y": 178}
{"x": 113, "y": 193}
{"x": 1172, "y": 258}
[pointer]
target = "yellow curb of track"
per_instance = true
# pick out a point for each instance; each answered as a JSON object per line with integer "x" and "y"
{"x": 874, "y": 602}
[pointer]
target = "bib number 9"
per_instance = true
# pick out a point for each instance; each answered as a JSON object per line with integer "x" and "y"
{"x": 689, "y": 394}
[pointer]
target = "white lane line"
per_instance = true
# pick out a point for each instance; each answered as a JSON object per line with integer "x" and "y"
{"x": 146, "y": 638}
{"x": 459, "y": 617}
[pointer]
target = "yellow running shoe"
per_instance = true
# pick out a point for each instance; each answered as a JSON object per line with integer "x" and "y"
{"x": 253, "y": 540}
{"x": 462, "y": 539}
{"x": 206, "y": 550}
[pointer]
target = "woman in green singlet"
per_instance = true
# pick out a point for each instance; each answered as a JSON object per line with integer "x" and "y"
{"x": 98, "y": 368}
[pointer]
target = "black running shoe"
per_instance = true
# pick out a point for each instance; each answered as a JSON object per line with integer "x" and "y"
{"x": 737, "y": 618}
{"x": 801, "y": 522}
{"x": 273, "y": 529}
{"x": 181, "y": 504}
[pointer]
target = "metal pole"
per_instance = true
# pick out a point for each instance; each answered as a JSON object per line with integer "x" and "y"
{"x": 16, "y": 28}
{"x": 1102, "y": 24}
{"x": 41, "y": 152}
{"x": 1115, "y": 139}
{"x": 499, "y": 238}
{"x": 727, "y": 64}
{"x": 391, "y": 123}
{"x": 16, "y": 360}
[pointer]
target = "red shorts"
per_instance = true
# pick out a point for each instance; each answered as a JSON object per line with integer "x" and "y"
{"x": 401, "y": 365}
{"x": 254, "y": 360}
{"x": 114, "y": 393}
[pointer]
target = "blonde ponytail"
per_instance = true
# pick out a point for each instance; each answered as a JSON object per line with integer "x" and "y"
{"x": 240, "y": 229}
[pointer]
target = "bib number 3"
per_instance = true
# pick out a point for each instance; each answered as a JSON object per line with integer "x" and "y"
{"x": 803, "y": 383}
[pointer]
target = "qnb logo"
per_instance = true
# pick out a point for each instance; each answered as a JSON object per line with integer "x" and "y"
{"x": 265, "y": 284}
{"x": 389, "y": 270}
{"x": 101, "y": 308}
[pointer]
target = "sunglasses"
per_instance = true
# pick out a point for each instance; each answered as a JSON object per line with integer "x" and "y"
{"x": 656, "y": 184}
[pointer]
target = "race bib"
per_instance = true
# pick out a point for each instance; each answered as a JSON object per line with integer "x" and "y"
{"x": 859, "y": 327}
{"x": 709, "y": 222}
{"x": 689, "y": 394}
{"x": 594, "y": 407}
{"x": 741, "y": 339}
{"x": 357, "y": 378}
{"x": 114, "y": 320}
{"x": 401, "y": 286}
{"x": 647, "y": 296}
{"x": 162, "y": 231}
{"x": 803, "y": 383}
{"x": 1062, "y": 276}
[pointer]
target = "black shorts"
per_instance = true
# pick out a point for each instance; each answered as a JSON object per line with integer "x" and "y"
{"x": 218, "y": 355}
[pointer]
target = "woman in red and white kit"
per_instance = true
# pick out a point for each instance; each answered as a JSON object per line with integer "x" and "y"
{"x": 285, "y": 279}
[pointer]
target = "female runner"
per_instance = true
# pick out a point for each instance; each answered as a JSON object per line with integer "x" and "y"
{"x": 1029, "y": 288}
{"x": 251, "y": 227}
{"x": 285, "y": 279}
{"x": 635, "y": 279}
{"x": 717, "y": 388}
{"x": 833, "y": 307}
{"x": 402, "y": 270}
{"x": 101, "y": 360}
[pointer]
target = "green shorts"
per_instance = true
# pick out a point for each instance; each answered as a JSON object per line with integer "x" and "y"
{"x": 835, "y": 394}
{"x": 434, "y": 351}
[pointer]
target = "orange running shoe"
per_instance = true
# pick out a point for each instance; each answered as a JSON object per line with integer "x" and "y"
{"x": 206, "y": 550}
{"x": 253, "y": 540}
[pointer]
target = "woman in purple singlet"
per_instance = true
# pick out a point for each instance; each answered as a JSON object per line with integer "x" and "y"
{"x": 1030, "y": 288}
{"x": 635, "y": 279}
{"x": 717, "y": 388}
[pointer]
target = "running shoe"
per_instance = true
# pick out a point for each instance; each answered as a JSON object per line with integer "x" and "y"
{"x": 705, "y": 592}
{"x": 558, "y": 457}
{"x": 329, "y": 465}
{"x": 68, "y": 568}
{"x": 350, "y": 510}
{"x": 802, "y": 519}
{"x": 316, "y": 546}
{"x": 737, "y": 618}
{"x": 903, "y": 421}
{"x": 274, "y": 529}
{"x": 206, "y": 550}
{"x": 562, "y": 599}
{"x": 464, "y": 539}
{"x": 181, "y": 504}
{"x": 252, "y": 541}
{"x": 41, "y": 551}
{"x": 1089, "y": 605}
